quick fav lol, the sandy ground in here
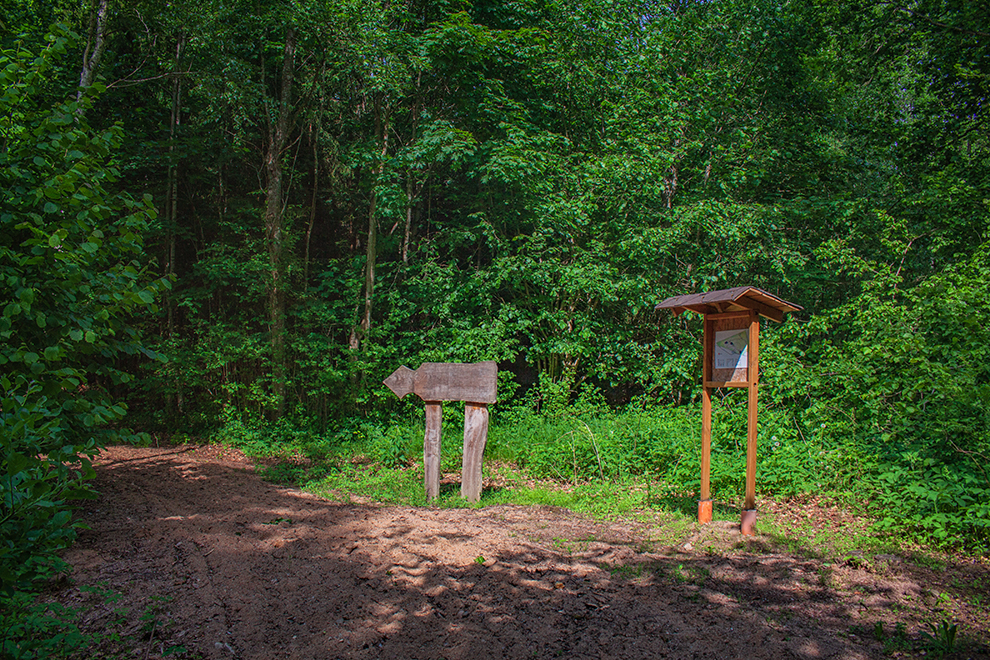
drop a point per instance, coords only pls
(201, 558)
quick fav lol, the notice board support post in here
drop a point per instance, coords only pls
(753, 369)
(705, 502)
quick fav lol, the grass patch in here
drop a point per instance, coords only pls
(853, 544)
(667, 512)
(639, 463)
(373, 483)
(634, 571)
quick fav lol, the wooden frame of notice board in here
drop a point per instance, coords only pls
(731, 358)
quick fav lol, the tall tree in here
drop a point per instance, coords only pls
(278, 128)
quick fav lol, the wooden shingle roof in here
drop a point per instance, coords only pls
(738, 299)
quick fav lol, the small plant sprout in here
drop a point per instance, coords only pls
(942, 640)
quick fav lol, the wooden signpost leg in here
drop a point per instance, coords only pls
(475, 436)
(431, 448)
(749, 507)
(751, 450)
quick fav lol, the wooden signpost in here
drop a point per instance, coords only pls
(731, 359)
(435, 382)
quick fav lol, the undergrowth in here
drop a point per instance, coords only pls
(31, 630)
(587, 457)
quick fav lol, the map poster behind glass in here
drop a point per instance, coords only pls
(730, 349)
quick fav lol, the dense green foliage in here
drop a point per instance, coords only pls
(72, 270)
(341, 188)
(523, 182)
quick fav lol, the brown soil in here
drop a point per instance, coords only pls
(202, 557)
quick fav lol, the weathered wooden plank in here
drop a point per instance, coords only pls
(475, 437)
(446, 381)
(401, 381)
(431, 449)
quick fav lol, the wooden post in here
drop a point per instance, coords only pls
(731, 359)
(435, 382)
(753, 373)
(431, 449)
(475, 437)
(705, 501)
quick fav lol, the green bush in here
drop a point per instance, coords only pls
(895, 386)
(69, 270)
(661, 443)
(31, 630)
(947, 504)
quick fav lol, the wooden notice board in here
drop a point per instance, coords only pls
(728, 347)
(731, 358)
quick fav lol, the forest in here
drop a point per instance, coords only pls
(230, 220)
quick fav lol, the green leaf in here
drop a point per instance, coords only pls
(17, 462)
(80, 494)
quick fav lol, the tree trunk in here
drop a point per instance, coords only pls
(95, 44)
(278, 137)
(409, 215)
(314, 138)
(381, 129)
(411, 192)
(171, 204)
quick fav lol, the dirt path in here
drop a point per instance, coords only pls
(208, 557)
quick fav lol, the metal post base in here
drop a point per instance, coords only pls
(748, 522)
(704, 511)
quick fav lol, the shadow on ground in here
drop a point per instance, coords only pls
(233, 567)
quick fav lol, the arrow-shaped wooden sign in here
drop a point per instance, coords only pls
(476, 384)
(447, 381)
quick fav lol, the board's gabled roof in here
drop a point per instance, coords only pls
(737, 299)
